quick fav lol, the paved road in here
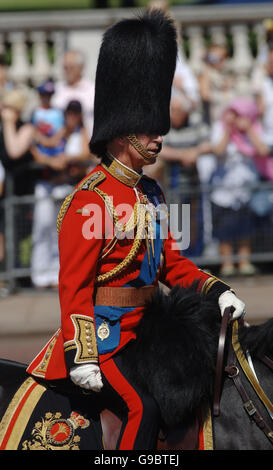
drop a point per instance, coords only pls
(28, 319)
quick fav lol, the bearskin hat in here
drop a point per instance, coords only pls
(134, 76)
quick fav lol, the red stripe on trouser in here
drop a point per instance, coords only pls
(132, 400)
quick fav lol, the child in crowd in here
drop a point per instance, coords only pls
(47, 121)
(74, 139)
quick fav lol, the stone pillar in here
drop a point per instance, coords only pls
(242, 58)
(40, 69)
(197, 47)
(19, 70)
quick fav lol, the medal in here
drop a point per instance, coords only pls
(103, 331)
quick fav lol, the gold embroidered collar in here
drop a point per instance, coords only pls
(120, 171)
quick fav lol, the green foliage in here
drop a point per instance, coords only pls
(13, 5)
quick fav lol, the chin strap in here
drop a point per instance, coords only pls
(140, 148)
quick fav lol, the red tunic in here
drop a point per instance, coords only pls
(81, 262)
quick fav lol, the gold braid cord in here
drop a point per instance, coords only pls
(132, 222)
(141, 224)
(137, 219)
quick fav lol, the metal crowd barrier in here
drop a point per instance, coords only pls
(16, 212)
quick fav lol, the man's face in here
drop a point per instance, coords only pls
(72, 69)
(178, 114)
(152, 144)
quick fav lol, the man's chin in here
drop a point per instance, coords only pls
(150, 160)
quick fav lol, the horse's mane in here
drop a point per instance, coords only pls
(258, 339)
(174, 355)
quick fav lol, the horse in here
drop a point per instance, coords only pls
(212, 380)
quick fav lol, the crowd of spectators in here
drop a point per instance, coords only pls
(219, 138)
(45, 156)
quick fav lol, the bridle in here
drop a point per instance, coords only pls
(236, 361)
(220, 358)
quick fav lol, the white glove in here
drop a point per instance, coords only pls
(229, 299)
(87, 376)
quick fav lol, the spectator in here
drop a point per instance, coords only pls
(237, 142)
(268, 44)
(186, 82)
(15, 140)
(264, 95)
(75, 140)
(47, 121)
(2, 181)
(75, 87)
(217, 83)
(77, 152)
(5, 84)
(178, 162)
(50, 189)
(17, 135)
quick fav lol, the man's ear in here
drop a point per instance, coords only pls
(118, 144)
(123, 142)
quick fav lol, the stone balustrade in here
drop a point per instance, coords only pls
(35, 42)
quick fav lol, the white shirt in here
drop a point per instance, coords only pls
(84, 92)
(188, 80)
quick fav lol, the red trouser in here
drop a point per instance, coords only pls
(138, 411)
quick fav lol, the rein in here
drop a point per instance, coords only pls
(236, 356)
(220, 358)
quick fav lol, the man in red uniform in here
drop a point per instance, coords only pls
(112, 252)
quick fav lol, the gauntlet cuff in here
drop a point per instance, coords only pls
(83, 348)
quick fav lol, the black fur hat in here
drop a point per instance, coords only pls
(134, 76)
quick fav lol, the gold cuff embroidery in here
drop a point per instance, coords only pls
(207, 285)
(210, 282)
(84, 340)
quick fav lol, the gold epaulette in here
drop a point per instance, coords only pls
(89, 183)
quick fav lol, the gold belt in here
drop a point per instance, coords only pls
(123, 296)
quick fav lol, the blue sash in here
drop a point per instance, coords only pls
(146, 276)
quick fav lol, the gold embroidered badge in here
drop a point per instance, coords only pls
(56, 433)
(103, 331)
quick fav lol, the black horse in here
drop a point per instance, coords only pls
(197, 368)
